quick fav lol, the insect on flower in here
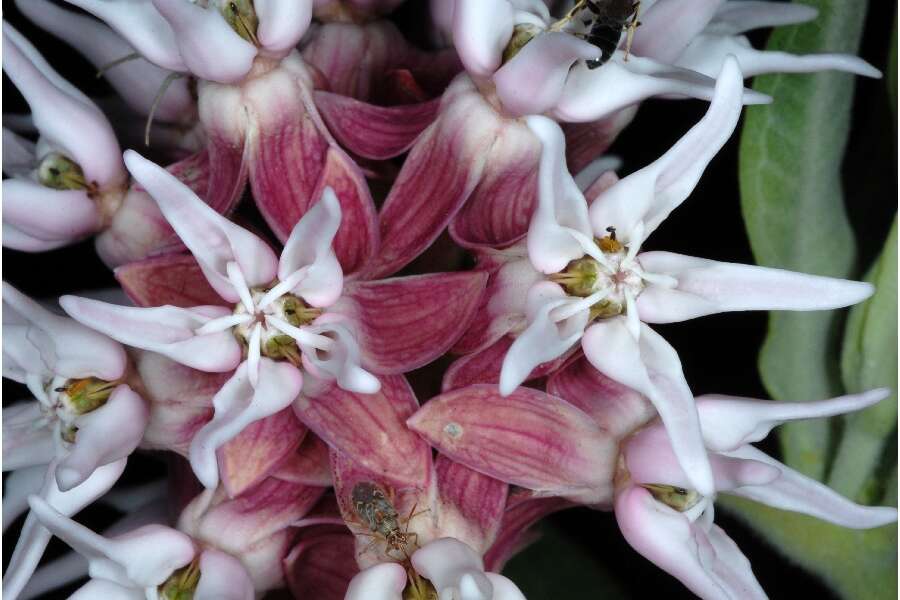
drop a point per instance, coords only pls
(378, 513)
(605, 24)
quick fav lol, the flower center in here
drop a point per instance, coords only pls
(62, 173)
(241, 17)
(675, 497)
(418, 588)
(273, 342)
(182, 583)
(63, 400)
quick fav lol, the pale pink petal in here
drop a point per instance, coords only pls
(738, 17)
(222, 577)
(47, 214)
(533, 81)
(16, 239)
(544, 339)
(670, 25)
(684, 549)
(27, 439)
(101, 588)
(20, 484)
(504, 588)
(173, 279)
(560, 208)
(372, 131)
(471, 505)
(58, 345)
(144, 28)
(648, 196)
(67, 120)
(19, 154)
(528, 438)
(651, 366)
(341, 362)
(454, 569)
(729, 422)
(237, 405)
(704, 287)
(481, 30)
(137, 82)
(105, 434)
(310, 247)
(168, 330)
(210, 48)
(371, 429)
(282, 23)
(213, 239)
(796, 492)
(384, 581)
(33, 538)
(388, 315)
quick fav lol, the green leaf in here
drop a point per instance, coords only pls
(869, 360)
(555, 567)
(793, 205)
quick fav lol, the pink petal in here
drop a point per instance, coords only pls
(222, 577)
(651, 366)
(586, 141)
(484, 366)
(707, 287)
(282, 23)
(321, 566)
(384, 581)
(371, 429)
(212, 239)
(533, 81)
(309, 465)
(173, 279)
(471, 504)
(501, 206)
(387, 313)
(796, 492)
(210, 48)
(729, 422)
(167, 330)
(46, 214)
(522, 511)
(444, 167)
(105, 435)
(53, 345)
(237, 405)
(683, 549)
(377, 132)
(259, 450)
(618, 409)
(481, 30)
(670, 25)
(528, 439)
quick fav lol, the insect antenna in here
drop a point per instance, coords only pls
(162, 90)
(128, 57)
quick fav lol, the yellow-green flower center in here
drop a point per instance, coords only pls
(675, 497)
(241, 16)
(61, 173)
(181, 584)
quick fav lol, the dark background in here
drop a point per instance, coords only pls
(718, 352)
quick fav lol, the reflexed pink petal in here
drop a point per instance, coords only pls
(729, 422)
(371, 429)
(618, 409)
(501, 206)
(259, 450)
(212, 239)
(377, 132)
(47, 214)
(168, 330)
(471, 504)
(52, 345)
(105, 435)
(707, 287)
(648, 196)
(651, 366)
(309, 465)
(670, 25)
(210, 48)
(528, 439)
(222, 577)
(533, 81)
(585, 142)
(237, 405)
(67, 120)
(282, 23)
(481, 30)
(710, 569)
(321, 566)
(387, 312)
(222, 114)
(484, 366)
(796, 492)
(441, 171)
(383, 581)
(173, 279)
(522, 511)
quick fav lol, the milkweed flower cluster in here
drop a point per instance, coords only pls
(269, 361)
